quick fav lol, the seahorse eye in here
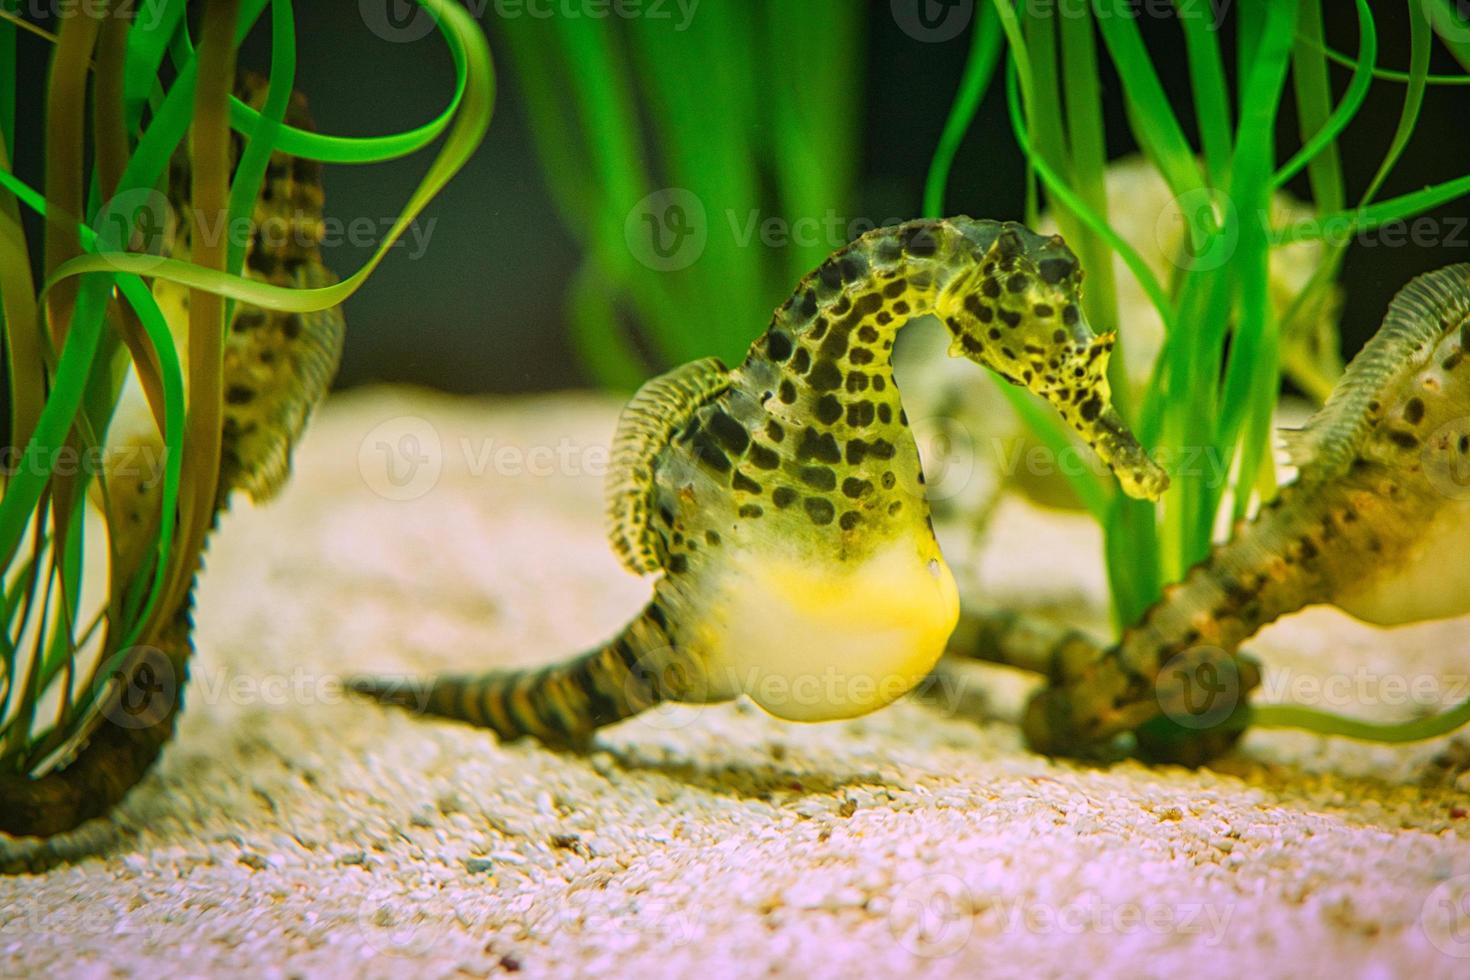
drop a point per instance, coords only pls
(1008, 244)
(1056, 268)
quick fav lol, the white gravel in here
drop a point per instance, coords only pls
(291, 833)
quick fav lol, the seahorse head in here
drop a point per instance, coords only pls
(1018, 311)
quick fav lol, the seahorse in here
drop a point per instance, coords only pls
(1376, 522)
(277, 367)
(781, 504)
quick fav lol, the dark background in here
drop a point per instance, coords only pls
(483, 309)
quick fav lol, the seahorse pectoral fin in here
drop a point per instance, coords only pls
(659, 409)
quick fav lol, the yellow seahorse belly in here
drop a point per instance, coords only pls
(815, 642)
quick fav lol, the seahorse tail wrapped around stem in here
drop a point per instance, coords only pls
(137, 720)
(1193, 710)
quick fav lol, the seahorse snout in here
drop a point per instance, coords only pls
(1084, 401)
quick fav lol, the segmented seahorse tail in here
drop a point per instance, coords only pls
(559, 704)
(1015, 639)
(1088, 680)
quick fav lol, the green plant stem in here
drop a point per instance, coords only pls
(209, 197)
(985, 48)
(66, 101)
(1325, 723)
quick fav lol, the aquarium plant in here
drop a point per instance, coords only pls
(120, 95)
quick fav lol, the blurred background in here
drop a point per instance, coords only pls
(480, 295)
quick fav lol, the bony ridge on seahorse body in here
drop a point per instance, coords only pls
(782, 502)
(1377, 522)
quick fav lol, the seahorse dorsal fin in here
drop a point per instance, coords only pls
(646, 425)
(1418, 316)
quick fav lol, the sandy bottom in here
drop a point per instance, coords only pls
(289, 832)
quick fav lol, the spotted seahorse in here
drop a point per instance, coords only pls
(1377, 523)
(781, 504)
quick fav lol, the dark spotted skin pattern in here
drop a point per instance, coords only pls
(276, 368)
(795, 484)
(1377, 522)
